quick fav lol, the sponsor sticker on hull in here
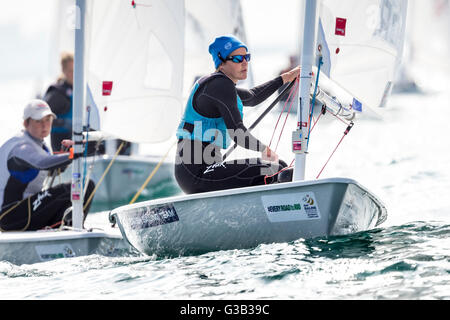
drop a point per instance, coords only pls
(54, 251)
(291, 207)
(152, 216)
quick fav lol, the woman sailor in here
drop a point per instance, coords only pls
(213, 119)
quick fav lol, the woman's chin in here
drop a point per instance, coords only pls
(243, 76)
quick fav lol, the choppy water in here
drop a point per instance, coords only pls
(409, 261)
(404, 159)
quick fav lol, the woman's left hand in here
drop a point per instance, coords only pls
(291, 75)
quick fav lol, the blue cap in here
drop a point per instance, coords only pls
(224, 46)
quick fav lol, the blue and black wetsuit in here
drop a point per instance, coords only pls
(25, 162)
(211, 122)
(59, 98)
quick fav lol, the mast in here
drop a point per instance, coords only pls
(78, 104)
(307, 57)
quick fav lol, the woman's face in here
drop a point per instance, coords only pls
(235, 71)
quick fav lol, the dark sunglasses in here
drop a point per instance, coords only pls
(237, 58)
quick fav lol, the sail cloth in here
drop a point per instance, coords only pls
(206, 20)
(362, 42)
(427, 47)
(135, 57)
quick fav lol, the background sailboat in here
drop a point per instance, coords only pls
(427, 47)
(131, 85)
(135, 67)
(130, 168)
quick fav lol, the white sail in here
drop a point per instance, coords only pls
(63, 33)
(362, 42)
(427, 46)
(206, 20)
(135, 66)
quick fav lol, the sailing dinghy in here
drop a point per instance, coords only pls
(355, 47)
(149, 85)
(111, 172)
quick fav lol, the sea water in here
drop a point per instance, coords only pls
(403, 157)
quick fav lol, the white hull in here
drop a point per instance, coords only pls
(247, 217)
(125, 177)
(30, 247)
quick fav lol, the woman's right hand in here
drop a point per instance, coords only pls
(269, 155)
(290, 75)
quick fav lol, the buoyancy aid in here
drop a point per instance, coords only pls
(63, 124)
(194, 126)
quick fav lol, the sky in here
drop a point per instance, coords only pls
(25, 33)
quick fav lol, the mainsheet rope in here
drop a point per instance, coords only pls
(290, 100)
(287, 113)
(15, 206)
(347, 130)
(152, 174)
(104, 174)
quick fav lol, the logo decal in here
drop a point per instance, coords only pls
(308, 200)
(356, 105)
(39, 198)
(152, 216)
(340, 26)
(214, 166)
(291, 207)
(107, 88)
(54, 251)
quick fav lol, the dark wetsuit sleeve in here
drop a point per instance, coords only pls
(217, 98)
(256, 95)
(25, 155)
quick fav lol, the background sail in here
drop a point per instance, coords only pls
(362, 45)
(135, 60)
(427, 48)
(206, 20)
